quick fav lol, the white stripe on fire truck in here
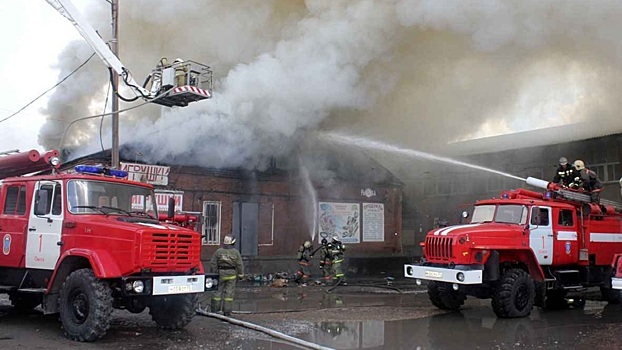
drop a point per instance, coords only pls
(606, 237)
(444, 231)
(566, 235)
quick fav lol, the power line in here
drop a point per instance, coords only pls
(48, 90)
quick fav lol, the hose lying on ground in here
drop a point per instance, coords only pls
(268, 331)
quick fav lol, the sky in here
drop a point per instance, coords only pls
(420, 74)
(33, 35)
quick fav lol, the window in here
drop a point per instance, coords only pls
(565, 218)
(211, 223)
(607, 172)
(540, 216)
(15, 203)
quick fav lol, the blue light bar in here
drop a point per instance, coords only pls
(89, 169)
(92, 169)
(117, 173)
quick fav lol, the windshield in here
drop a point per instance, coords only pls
(90, 197)
(508, 213)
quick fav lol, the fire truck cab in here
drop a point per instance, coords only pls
(84, 242)
(522, 249)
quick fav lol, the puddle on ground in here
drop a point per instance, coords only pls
(475, 327)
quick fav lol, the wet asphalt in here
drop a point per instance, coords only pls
(362, 315)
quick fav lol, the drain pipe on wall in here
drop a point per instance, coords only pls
(268, 331)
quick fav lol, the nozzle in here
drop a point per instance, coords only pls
(542, 184)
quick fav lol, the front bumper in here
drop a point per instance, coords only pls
(170, 285)
(616, 283)
(458, 275)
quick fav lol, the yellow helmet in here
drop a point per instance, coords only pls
(307, 244)
(229, 240)
(579, 165)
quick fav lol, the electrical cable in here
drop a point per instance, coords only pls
(48, 90)
(109, 113)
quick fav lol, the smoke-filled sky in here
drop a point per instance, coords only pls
(417, 74)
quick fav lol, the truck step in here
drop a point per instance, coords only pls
(573, 287)
(566, 271)
(32, 290)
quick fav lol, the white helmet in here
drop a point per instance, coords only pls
(307, 244)
(579, 165)
(563, 161)
(229, 240)
(335, 237)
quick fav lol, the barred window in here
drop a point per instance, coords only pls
(211, 223)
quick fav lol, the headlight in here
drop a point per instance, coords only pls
(138, 286)
(209, 283)
(460, 276)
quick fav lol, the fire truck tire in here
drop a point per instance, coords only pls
(173, 311)
(610, 295)
(24, 302)
(85, 306)
(514, 296)
(445, 298)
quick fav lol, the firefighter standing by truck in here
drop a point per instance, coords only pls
(304, 263)
(228, 262)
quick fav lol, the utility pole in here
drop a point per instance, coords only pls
(115, 82)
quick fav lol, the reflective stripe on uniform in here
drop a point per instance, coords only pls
(216, 298)
(228, 299)
(338, 261)
(228, 278)
(339, 275)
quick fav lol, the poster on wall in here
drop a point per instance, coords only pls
(373, 222)
(341, 219)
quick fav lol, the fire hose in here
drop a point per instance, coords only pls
(265, 330)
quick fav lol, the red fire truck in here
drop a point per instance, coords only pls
(523, 249)
(81, 243)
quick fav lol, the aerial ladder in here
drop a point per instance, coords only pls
(169, 84)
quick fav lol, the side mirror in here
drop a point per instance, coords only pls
(41, 202)
(465, 214)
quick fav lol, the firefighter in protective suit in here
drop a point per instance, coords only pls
(565, 173)
(304, 264)
(228, 262)
(336, 251)
(588, 181)
(326, 263)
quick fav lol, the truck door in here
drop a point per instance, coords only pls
(541, 234)
(44, 226)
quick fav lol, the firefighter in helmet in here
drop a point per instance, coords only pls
(336, 251)
(228, 262)
(304, 263)
(326, 262)
(565, 173)
(587, 180)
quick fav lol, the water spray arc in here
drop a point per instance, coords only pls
(304, 173)
(380, 146)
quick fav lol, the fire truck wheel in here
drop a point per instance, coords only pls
(610, 295)
(173, 311)
(24, 302)
(514, 296)
(85, 306)
(444, 297)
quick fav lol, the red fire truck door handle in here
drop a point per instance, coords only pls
(32, 229)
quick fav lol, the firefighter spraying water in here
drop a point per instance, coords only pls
(522, 249)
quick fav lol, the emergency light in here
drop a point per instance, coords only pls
(92, 169)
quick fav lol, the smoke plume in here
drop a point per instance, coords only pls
(420, 74)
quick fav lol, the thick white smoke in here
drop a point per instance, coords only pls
(416, 73)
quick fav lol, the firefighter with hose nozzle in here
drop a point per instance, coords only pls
(304, 263)
(336, 251)
(565, 173)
